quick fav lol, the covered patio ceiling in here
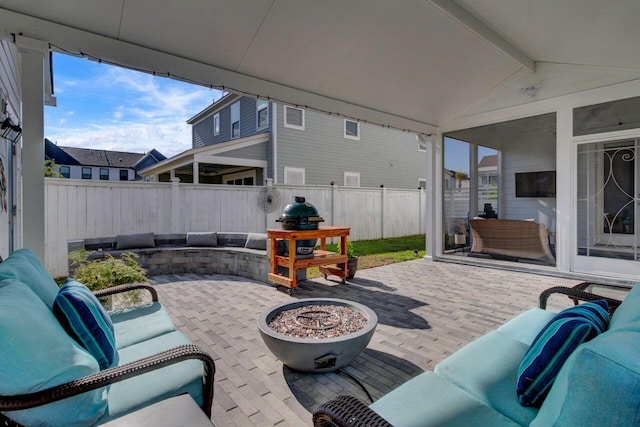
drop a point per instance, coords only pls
(410, 64)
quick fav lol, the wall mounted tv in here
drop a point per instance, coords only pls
(536, 184)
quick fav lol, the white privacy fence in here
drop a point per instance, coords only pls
(78, 209)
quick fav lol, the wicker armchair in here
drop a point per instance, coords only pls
(119, 373)
(349, 411)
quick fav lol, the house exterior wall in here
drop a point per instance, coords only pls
(532, 152)
(382, 156)
(254, 152)
(203, 132)
(10, 92)
(75, 172)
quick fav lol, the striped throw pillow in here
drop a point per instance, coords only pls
(554, 344)
(86, 321)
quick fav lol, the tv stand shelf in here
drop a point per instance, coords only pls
(320, 257)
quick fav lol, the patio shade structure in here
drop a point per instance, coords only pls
(424, 66)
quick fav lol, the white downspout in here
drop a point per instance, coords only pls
(274, 140)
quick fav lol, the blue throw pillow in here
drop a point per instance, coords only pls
(85, 320)
(554, 344)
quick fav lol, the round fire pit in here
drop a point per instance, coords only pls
(328, 333)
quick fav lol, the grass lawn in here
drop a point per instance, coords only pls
(374, 253)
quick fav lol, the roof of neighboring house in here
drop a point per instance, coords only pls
(57, 154)
(93, 157)
(490, 161)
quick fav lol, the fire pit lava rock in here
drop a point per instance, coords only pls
(311, 354)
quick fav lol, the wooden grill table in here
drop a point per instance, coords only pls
(321, 257)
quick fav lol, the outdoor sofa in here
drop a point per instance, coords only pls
(598, 385)
(60, 365)
(511, 238)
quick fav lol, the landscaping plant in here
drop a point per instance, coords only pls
(107, 272)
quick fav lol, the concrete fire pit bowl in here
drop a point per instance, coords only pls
(317, 354)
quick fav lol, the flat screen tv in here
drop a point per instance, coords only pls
(536, 184)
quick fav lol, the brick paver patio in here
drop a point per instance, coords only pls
(426, 310)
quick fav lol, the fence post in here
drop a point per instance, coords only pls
(383, 195)
(176, 206)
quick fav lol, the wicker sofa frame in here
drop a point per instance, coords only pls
(510, 238)
(349, 411)
(117, 374)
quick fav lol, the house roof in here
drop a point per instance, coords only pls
(490, 161)
(98, 158)
(413, 64)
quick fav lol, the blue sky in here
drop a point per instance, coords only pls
(112, 108)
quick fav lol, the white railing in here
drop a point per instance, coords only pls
(78, 209)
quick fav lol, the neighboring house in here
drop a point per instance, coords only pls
(88, 163)
(243, 141)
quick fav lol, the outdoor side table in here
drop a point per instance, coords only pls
(321, 257)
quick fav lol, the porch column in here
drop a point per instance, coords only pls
(196, 172)
(565, 171)
(32, 56)
(433, 193)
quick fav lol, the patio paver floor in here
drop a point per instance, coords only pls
(426, 311)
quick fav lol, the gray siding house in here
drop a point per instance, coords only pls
(244, 141)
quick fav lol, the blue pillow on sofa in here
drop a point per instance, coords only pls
(35, 354)
(86, 321)
(553, 346)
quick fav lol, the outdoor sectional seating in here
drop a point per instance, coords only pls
(598, 385)
(238, 254)
(48, 377)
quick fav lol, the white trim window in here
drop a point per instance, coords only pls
(293, 117)
(293, 176)
(352, 129)
(240, 178)
(216, 124)
(235, 120)
(352, 179)
(262, 114)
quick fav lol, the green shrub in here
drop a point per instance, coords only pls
(107, 272)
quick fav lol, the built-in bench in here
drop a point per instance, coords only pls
(238, 254)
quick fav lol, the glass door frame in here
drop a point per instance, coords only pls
(591, 264)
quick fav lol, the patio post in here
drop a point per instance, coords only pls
(32, 56)
(433, 190)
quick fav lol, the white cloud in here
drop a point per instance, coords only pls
(150, 112)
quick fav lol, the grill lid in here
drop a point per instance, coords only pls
(300, 211)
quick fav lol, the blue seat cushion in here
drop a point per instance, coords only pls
(487, 369)
(36, 354)
(86, 321)
(136, 324)
(526, 326)
(428, 400)
(24, 266)
(554, 344)
(627, 316)
(132, 394)
(599, 385)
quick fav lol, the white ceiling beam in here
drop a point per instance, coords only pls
(479, 28)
